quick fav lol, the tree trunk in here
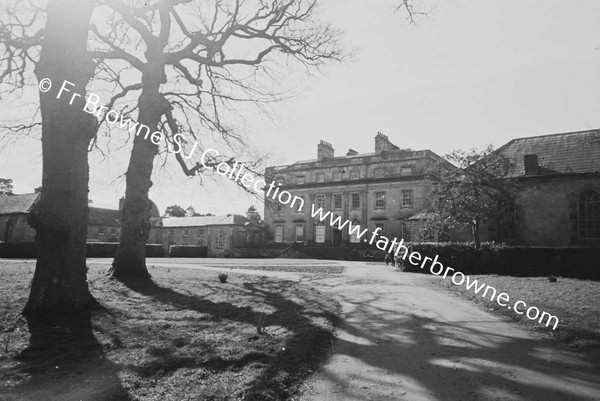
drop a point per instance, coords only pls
(477, 233)
(59, 285)
(130, 261)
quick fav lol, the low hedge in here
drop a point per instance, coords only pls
(188, 251)
(17, 250)
(526, 261)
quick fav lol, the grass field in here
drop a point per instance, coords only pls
(576, 303)
(185, 337)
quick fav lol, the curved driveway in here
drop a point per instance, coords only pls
(399, 339)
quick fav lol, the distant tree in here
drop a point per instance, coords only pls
(474, 190)
(253, 215)
(175, 211)
(190, 212)
(6, 186)
(37, 190)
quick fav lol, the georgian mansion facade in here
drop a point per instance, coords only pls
(386, 189)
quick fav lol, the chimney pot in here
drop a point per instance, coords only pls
(324, 150)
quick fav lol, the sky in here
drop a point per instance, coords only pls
(468, 74)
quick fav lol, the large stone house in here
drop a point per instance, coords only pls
(559, 199)
(227, 235)
(381, 189)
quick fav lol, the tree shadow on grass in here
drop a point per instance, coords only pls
(65, 362)
(282, 370)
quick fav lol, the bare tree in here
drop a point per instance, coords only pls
(475, 193)
(59, 284)
(196, 60)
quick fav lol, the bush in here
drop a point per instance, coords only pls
(188, 251)
(223, 277)
(491, 258)
(93, 249)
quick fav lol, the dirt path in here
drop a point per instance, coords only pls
(400, 340)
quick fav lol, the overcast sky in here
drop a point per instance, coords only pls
(468, 74)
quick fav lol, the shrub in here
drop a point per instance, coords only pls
(188, 251)
(223, 277)
(492, 258)
(93, 249)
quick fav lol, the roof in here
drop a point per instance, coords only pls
(230, 219)
(425, 214)
(567, 153)
(104, 217)
(11, 204)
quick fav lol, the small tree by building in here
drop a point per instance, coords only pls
(175, 211)
(6, 186)
(253, 215)
(472, 191)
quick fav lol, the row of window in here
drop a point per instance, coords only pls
(406, 201)
(340, 175)
(102, 232)
(320, 232)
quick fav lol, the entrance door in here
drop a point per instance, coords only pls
(337, 237)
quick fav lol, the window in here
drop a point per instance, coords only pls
(299, 233)
(337, 176)
(299, 179)
(113, 232)
(320, 232)
(381, 226)
(171, 232)
(379, 173)
(589, 216)
(337, 201)
(354, 174)
(354, 235)
(406, 233)
(298, 203)
(186, 232)
(220, 239)
(201, 232)
(320, 177)
(407, 198)
(380, 200)
(320, 201)
(355, 200)
(101, 232)
(406, 170)
(279, 234)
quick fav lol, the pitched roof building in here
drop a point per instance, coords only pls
(559, 203)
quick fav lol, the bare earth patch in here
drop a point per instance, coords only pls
(186, 336)
(574, 302)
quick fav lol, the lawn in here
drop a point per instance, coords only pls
(185, 337)
(576, 303)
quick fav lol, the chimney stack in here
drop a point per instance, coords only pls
(324, 150)
(383, 143)
(531, 164)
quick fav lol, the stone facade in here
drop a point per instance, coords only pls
(224, 236)
(381, 189)
(559, 199)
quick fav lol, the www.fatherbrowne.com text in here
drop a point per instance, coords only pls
(436, 267)
(92, 106)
